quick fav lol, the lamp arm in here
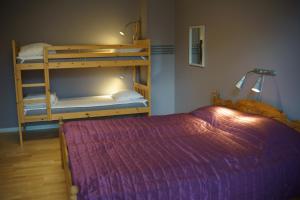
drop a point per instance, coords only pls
(262, 85)
(136, 29)
(132, 22)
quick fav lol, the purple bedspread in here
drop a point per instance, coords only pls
(211, 153)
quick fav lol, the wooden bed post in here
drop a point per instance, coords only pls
(149, 77)
(216, 100)
(72, 190)
(21, 135)
(18, 90)
(61, 123)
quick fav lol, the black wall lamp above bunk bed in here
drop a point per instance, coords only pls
(47, 107)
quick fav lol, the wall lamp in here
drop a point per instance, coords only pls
(136, 29)
(258, 86)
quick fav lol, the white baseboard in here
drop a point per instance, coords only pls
(29, 128)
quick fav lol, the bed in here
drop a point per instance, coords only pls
(44, 58)
(214, 152)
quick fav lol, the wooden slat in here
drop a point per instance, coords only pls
(29, 85)
(139, 85)
(33, 101)
(90, 114)
(94, 55)
(91, 64)
(35, 118)
(100, 113)
(30, 66)
(82, 47)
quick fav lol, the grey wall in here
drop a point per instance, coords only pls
(160, 29)
(62, 22)
(86, 22)
(240, 35)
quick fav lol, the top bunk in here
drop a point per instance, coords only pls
(42, 55)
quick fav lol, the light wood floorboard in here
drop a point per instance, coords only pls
(33, 172)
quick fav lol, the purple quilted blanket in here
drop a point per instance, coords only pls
(211, 153)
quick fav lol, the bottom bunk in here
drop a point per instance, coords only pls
(81, 104)
(121, 103)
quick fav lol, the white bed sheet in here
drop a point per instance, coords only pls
(91, 101)
(36, 57)
(24, 59)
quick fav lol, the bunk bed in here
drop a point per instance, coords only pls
(134, 55)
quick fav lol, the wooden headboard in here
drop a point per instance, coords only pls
(255, 107)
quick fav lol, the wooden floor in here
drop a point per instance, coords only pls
(33, 172)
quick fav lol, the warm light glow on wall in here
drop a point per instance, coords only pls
(115, 84)
(110, 39)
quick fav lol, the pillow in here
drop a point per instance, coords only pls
(126, 95)
(34, 49)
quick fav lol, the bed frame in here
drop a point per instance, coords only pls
(255, 107)
(248, 106)
(72, 190)
(81, 53)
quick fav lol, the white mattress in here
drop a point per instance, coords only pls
(91, 101)
(40, 58)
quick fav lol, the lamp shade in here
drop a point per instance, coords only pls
(241, 82)
(122, 33)
(258, 85)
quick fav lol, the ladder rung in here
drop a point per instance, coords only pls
(33, 101)
(34, 118)
(33, 85)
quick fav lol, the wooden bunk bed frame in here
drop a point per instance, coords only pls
(81, 52)
(247, 106)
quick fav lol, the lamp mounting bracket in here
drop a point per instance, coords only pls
(261, 71)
